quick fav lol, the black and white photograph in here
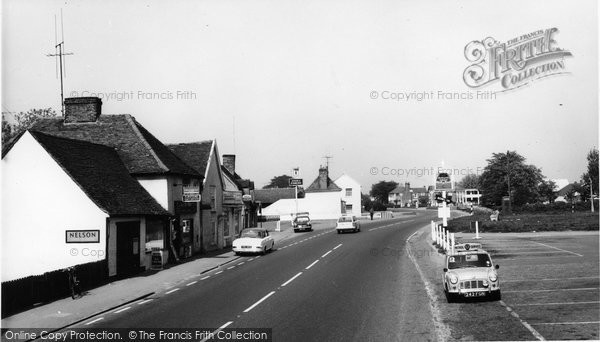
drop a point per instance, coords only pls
(227, 170)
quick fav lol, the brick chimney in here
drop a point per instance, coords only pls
(229, 163)
(323, 177)
(82, 109)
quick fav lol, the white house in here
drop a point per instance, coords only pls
(69, 202)
(322, 200)
(350, 194)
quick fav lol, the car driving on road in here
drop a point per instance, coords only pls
(347, 223)
(253, 240)
(302, 222)
(469, 272)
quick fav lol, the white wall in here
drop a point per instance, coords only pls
(157, 188)
(320, 205)
(40, 202)
(345, 181)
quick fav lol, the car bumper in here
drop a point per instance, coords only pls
(251, 249)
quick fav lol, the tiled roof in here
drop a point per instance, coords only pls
(269, 196)
(316, 187)
(139, 150)
(100, 173)
(195, 154)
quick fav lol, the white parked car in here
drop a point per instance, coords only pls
(347, 223)
(253, 240)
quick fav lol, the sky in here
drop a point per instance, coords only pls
(282, 84)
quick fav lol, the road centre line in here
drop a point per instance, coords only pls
(567, 303)
(558, 323)
(259, 301)
(560, 249)
(214, 333)
(324, 255)
(534, 332)
(525, 253)
(192, 283)
(338, 246)
(173, 290)
(144, 301)
(291, 279)
(205, 278)
(548, 279)
(311, 265)
(94, 321)
(555, 290)
(230, 267)
(219, 272)
(123, 309)
(538, 258)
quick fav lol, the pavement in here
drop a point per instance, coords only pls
(65, 312)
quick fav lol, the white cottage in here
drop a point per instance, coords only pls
(350, 194)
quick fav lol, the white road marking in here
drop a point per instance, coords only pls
(548, 279)
(144, 301)
(249, 259)
(560, 249)
(230, 267)
(567, 303)
(123, 309)
(555, 290)
(192, 283)
(311, 265)
(205, 278)
(534, 332)
(525, 253)
(259, 301)
(442, 330)
(241, 263)
(413, 234)
(291, 279)
(219, 272)
(338, 246)
(214, 333)
(284, 247)
(556, 323)
(173, 290)
(94, 321)
(324, 255)
(545, 258)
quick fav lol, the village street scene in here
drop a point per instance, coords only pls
(323, 171)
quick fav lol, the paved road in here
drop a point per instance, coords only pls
(318, 286)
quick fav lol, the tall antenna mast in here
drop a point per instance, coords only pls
(327, 160)
(58, 54)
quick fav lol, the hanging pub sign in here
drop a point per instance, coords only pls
(191, 191)
(443, 182)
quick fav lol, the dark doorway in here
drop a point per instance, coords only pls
(128, 248)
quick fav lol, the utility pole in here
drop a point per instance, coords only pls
(58, 52)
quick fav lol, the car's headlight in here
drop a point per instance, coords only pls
(493, 276)
(453, 278)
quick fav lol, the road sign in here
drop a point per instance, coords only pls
(295, 181)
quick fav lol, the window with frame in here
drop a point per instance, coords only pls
(213, 196)
(348, 192)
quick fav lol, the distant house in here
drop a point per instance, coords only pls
(70, 202)
(462, 195)
(160, 172)
(562, 195)
(350, 194)
(404, 195)
(322, 199)
(203, 157)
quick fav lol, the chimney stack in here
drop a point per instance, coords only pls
(229, 163)
(82, 109)
(323, 177)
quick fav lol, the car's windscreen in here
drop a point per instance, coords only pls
(469, 260)
(302, 219)
(345, 219)
(250, 234)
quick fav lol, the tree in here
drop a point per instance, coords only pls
(23, 121)
(470, 181)
(366, 202)
(381, 191)
(547, 191)
(282, 181)
(590, 178)
(507, 173)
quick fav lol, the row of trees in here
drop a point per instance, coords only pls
(508, 173)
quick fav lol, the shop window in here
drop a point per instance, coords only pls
(154, 235)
